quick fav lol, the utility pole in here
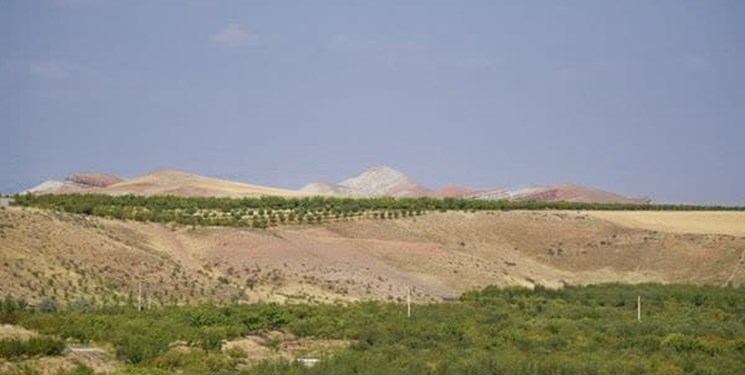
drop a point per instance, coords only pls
(408, 304)
(639, 308)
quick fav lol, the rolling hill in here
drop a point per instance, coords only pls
(163, 182)
(374, 182)
(565, 192)
(386, 181)
(441, 255)
(78, 182)
(169, 182)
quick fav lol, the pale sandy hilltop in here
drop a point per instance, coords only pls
(161, 182)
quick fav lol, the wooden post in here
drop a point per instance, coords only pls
(639, 308)
(408, 304)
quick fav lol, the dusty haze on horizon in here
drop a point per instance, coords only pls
(643, 98)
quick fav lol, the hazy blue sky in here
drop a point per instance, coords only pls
(639, 97)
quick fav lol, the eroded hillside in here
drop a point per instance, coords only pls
(66, 256)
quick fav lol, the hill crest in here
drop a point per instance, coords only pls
(375, 182)
(78, 182)
(561, 192)
(174, 182)
(383, 181)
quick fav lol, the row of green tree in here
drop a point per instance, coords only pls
(268, 211)
(576, 330)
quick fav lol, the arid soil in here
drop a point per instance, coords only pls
(440, 255)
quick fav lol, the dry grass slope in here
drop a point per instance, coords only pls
(710, 222)
(440, 254)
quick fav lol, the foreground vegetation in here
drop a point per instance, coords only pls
(578, 330)
(269, 211)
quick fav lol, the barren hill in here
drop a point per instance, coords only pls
(375, 182)
(386, 181)
(168, 182)
(78, 182)
(566, 192)
(454, 191)
(94, 179)
(383, 181)
(322, 188)
(49, 186)
(439, 254)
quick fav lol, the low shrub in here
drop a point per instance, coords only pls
(13, 348)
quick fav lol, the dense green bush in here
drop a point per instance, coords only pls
(10, 308)
(82, 305)
(575, 330)
(44, 345)
(13, 348)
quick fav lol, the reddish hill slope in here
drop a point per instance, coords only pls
(94, 179)
(386, 181)
(566, 192)
(78, 182)
(453, 191)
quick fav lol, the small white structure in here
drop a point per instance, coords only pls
(308, 361)
(5, 201)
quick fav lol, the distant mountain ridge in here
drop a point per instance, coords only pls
(563, 192)
(161, 182)
(375, 182)
(385, 181)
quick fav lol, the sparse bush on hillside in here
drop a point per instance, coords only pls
(82, 305)
(47, 305)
